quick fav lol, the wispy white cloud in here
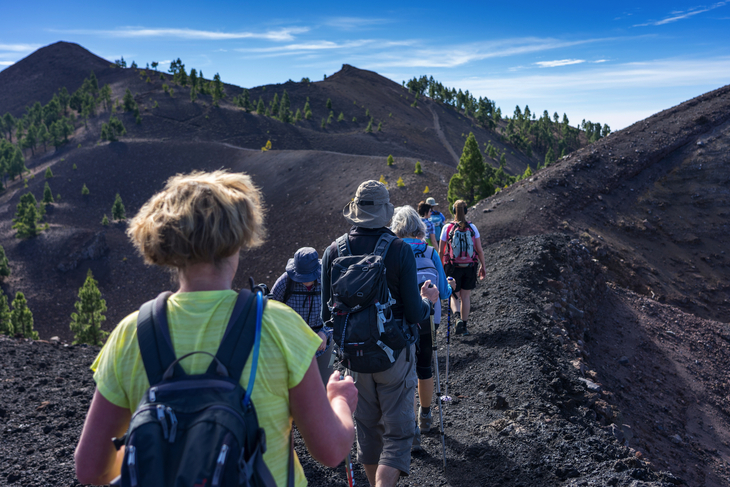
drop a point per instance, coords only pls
(453, 56)
(559, 62)
(598, 61)
(308, 46)
(354, 23)
(284, 34)
(681, 15)
(19, 47)
(7, 63)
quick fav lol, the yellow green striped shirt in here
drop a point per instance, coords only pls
(197, 321)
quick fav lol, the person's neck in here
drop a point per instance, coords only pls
(207, 277)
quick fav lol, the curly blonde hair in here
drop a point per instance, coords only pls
(199, 217)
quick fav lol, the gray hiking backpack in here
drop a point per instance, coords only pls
(198, 430)
(426, 271)
(369, 336)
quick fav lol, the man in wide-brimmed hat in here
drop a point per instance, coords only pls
(384, 416)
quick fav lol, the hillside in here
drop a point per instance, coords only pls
(602, 324)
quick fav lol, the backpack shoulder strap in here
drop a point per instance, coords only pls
(343, 246)
(287, 289)
(383, 244)
(239, 337)
(153, 337)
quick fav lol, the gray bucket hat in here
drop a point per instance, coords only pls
(371, 207)
(305, 266)
(431, 201)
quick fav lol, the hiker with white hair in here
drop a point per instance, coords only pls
(370, 285)
(408, 226)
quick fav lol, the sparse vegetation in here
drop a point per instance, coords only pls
(47, 194)
(426, 190)
(6, 326)
(400, 183)
(382, 180)
(27, 215)
(267, 146)
(21, 318)
(418, 168)
(90, 308)
(84, 190)
(105, 221)
(390, 160)
(4, 264)
(112, 130)
(118, 212)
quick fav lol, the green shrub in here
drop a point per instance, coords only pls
(86, 321)
(418, 168)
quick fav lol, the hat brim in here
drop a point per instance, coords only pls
(374, 216)
(298, 277)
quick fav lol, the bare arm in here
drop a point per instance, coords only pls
(434, 244)
(480, 255)
(324, 420)
(97, 461)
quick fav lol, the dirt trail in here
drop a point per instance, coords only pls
(440, 133)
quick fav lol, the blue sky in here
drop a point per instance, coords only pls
(609, 62)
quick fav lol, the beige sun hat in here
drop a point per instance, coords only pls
(371, 207)
(431, 201)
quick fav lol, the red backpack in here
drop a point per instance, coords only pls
(461, 245)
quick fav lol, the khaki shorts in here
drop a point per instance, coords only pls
(384, 416)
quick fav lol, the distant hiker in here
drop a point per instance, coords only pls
(197, 226)
(376, 329)
(300, 288)
(424, 210)
(461, 252)
(437, 218)
(408, 226)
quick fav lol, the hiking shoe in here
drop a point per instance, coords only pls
(416, 447)
(461, 328)
(424, 420)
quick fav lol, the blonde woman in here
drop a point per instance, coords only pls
(197, 226)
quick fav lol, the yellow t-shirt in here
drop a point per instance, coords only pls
(197, 321)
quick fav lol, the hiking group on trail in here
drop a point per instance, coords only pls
(200, 387)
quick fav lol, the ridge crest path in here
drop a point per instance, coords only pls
(440, 133)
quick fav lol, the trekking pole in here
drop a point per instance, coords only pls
(438, 388)
(448, 340)
(348, 462)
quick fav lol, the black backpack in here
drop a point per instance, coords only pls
(369, 337)
(198, 430)
(288, 292)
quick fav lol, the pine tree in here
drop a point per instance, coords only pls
(380, 126)
(193, 94)
(390, 160)
(329, 104)
(324, 123)
(49, 173)
(274, 105)
(90, 309)
(341, 117)
(118, 212)
(369, 128)
(260, 106)
(284, 108)
(105, 221)
(426, 190)
(128, 102)
(84, 190)
(418, 168)
(22, 318)
(400, 183)
(217, 89)
(6, 325)
(4, 265)
(382, 180)
(47, 194)
(549, 157)
(298, 115)
(26, 217)
(469, 183)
